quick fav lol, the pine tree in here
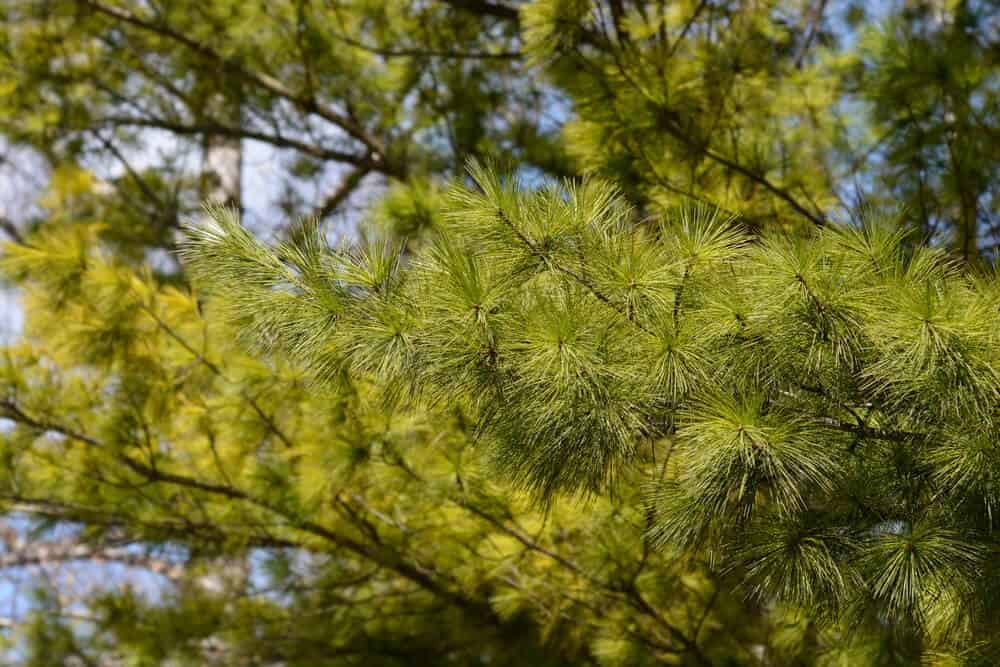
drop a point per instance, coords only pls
(821, 407)
(379, 535)
(702, 374)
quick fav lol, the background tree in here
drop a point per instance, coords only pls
(136, 428)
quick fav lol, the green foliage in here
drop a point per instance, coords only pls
(387, 540)
(811, 424)
(637, 400)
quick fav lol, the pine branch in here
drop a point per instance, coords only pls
(347, 187)
(581, 280)
(671, 125)
(219, 130)
(415, 574)
(114, 519)
(486, 8)
(214, 368)
(260, 79)
(420, 52)
(139, 181)
(46, 554)
(11, 230)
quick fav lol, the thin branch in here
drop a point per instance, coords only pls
(343, 191)
(42, 554)
(485, 8)
(306, 103)
(815, 23)
(687, 27)
(582, 280)
(133, 174)
(218, 129)
(11, 230)
(426, 52)
(214, 368)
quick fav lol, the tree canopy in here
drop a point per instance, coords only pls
(556, 332)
